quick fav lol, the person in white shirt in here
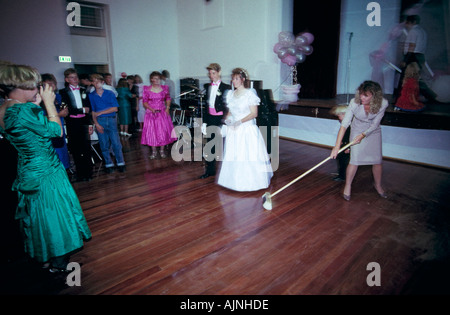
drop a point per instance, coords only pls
(108, 85)
(414, 51)
(215, 113)
(79, 124)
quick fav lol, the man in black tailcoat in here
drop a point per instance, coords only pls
(79, 124)
(215, 113)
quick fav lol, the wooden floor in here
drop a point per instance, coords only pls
(160, 230)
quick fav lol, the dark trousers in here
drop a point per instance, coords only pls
(342, 161)
(211, 120)
(80, 147)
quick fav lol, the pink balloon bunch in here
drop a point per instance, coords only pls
(292, 50)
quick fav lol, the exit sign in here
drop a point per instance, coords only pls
(65, 59)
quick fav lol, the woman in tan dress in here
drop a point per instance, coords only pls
(364, 114)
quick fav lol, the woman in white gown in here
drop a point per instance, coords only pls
(246, 164)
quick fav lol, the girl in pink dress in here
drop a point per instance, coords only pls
(158, 127)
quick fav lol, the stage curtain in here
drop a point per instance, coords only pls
(318, 73)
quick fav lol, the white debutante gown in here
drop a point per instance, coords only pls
(246, 164)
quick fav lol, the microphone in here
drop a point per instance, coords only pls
(351, 35)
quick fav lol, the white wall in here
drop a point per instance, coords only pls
(34, 33)
(143, 37)
(182, 36)
(242, 35)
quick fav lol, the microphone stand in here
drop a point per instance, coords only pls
(347, 79)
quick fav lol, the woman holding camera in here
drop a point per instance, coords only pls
(50, 215)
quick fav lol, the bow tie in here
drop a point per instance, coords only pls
(215, 84)
(74, 88)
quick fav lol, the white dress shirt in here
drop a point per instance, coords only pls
(418, 36)
(77, 96)
(212, 93)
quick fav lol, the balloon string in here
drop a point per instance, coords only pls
(294, 75)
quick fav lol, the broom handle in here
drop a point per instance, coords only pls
(310, 170)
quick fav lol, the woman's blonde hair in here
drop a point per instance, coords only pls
(377, 95)
(412, 71)
(18, 77)
(96, 76)
(338, 110)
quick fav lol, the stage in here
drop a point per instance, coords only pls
(435, 116)
(419, 138)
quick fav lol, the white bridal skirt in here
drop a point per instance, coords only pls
(246, 164)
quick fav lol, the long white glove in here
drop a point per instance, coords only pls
(237, 123)
(203, 128)
(233, 123)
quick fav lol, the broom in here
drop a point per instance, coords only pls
(267, 197)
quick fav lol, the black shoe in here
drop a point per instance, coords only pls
(339, 179)
(206, 175)
(122, 168)
(109, 170)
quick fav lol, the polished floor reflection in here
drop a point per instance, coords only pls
(159, 229)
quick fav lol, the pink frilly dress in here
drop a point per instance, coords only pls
(158, 127)
(409, 90)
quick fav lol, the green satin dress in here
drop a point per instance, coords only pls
(50, 214)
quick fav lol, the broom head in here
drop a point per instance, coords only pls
(267, 201)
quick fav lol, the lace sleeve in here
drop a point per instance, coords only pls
(253, 98)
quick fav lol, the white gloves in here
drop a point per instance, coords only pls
(232, 123)
(203, 128)
(237, 123)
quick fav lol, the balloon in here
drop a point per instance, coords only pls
(440, 87)
(289, 60)
(300, 57)
(291, 51)
(309, 37)
(277, 48)
(286, 39)
(282, 53)
(300, 41)
(307, 50)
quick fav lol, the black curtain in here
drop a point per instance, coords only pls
(318, 73)
(406, 4)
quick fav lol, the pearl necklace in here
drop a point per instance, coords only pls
(12, 99)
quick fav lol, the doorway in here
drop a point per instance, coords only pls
(317, 75)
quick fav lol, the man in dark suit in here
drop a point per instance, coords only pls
(215, 113)
(79, 124)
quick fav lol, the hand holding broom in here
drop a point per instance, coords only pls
(267, 197)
